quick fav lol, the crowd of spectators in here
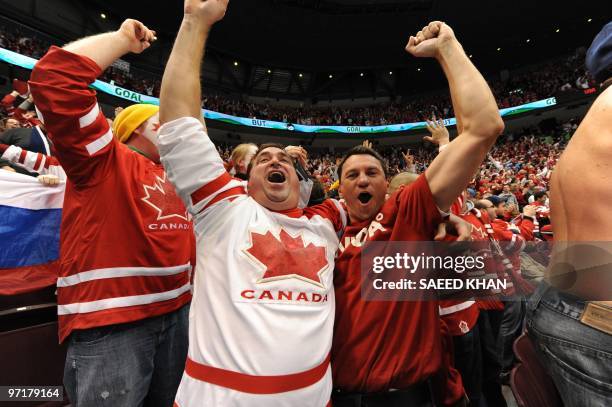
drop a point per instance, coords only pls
(519, 164)
(540, 83)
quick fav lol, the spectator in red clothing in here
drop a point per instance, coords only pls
(365, 366)
(126, 242)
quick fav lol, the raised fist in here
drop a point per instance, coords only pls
(209, 11)
(138, 35)
(429, 41)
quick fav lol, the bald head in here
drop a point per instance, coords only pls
(403, 178)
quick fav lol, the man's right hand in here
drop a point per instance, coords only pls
(207, 11)
(137, 34)
(430, 41)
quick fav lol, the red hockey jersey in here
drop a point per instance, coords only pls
(126, 240)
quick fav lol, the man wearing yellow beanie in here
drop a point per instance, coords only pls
(136, 126)
(123, 288)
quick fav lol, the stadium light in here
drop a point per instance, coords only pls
(300, 75)
(470, 55)
(528, 40)
(419, 69)
(103, 16)
(589, 20)
(361, 74)
(331, 76)
(390, 72)
(499, 49)
(269, 71)
(235, 63)
(557, 30)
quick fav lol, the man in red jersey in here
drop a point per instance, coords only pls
(390, 352)
(126, 240)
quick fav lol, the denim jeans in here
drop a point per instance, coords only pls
(128, 365)
(578, 357)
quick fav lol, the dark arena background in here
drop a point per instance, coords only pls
(132, 239)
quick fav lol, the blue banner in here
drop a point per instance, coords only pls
(28, 63)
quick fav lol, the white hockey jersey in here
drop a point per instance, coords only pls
(262, 314)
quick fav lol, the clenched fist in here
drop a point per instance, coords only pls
(138, 35)
(430, 40)
(208, 11)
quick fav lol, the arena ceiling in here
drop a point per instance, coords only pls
(348, 34)
(354, 48)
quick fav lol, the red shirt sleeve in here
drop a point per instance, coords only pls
(331, 210)
(75, 123)
(526, 227)
(417, 208)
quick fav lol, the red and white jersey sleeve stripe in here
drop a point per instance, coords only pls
(75, 123)
(194, 166)
(331, 210)
(34, 162)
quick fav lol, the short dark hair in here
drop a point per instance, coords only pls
(359, 150)
(539, 194)
(261, 148)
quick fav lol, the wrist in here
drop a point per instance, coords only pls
(121, 41)
(193, 22)
(449, 50)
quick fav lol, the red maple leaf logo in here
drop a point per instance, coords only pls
(287, 258)
(163, 199)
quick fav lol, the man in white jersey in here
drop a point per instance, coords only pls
(262, 316)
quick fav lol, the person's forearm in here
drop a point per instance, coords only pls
(475, 107)
(103, 49)
(180, 94)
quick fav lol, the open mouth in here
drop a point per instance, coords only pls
(364, 197)
(276, 177)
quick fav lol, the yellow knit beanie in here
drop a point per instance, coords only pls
(130, 118)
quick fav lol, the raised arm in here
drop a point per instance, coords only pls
(478, 119)
(33, 162)
(60, 87)
(180, 90)
(104, 49)
(191, 160)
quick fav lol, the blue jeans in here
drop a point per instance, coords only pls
(578, 357)
(128, 365)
